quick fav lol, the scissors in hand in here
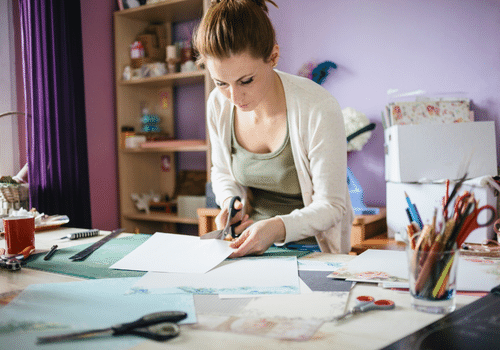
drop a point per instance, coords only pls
(222, 234)
(155, 326)
(366, 303)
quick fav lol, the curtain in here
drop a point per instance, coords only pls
(55, 109)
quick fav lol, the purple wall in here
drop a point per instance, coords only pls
(443, 46)
(98, 60)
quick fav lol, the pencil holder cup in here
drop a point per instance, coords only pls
(432, 278)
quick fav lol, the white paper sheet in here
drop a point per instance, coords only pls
(250, 276)
(166, 252)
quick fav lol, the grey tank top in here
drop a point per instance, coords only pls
(271, 178)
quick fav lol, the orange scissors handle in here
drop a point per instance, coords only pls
(490, 220)
(471, 222)
(496, 226)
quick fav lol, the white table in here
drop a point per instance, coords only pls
(372, 330)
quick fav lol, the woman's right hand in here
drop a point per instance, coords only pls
(221, 218)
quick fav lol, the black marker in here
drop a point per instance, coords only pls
(50, 253)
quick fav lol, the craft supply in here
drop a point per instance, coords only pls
(166, 252)
(224, 233)
(471, 222)
(433, 285)
(366, 303)
(155, 326)
(84, 234)
(413, 212)
(50, 253)
(13, 263)
(89, 250)
(433, 259)
(19, 233)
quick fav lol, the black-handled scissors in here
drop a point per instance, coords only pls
(155, 326)
(222, 234)
(231, 214)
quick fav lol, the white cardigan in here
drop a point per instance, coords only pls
(319, 147)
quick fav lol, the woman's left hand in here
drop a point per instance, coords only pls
(259, 237)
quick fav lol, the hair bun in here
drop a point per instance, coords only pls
(261, 3)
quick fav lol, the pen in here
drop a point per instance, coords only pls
(50, 253)
(413, 212)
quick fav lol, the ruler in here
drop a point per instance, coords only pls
(84, 254)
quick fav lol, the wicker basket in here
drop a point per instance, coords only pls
(13, 196)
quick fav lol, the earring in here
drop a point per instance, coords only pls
(275, 61)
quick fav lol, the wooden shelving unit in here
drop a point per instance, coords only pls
(139, 169)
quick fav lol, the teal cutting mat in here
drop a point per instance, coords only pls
(277, 251)
(98, 263)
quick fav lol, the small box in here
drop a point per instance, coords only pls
(427, 197)
(149, 42)
(187, 206)
(439, 151)
(368, 226)
(430, 111)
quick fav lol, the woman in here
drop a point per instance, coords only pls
(277, 140)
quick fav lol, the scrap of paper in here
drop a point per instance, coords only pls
(167, 252)
(297, 330)
(244, 276)
(375, 266)
(287, 317)
(319, 306)
(315, 265)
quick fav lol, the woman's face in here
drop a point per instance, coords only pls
(243, 79)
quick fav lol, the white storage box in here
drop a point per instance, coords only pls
(426, 197)
(439, 151)
(187, 206)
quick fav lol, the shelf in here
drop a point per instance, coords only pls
(170, 146)
(174, 79)
(165, 11)
(160, 217)
(144, 168)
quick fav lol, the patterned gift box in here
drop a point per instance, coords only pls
(430, 111)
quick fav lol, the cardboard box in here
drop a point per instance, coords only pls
(439, 151)
(151, 48)
(187, 206)
(426, 197)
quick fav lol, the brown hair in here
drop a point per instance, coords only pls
(234, 26)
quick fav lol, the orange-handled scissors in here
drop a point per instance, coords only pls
(367, 303)
(471, 222)
(496, 227)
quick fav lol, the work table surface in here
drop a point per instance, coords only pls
(372, 330)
